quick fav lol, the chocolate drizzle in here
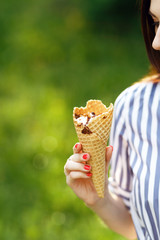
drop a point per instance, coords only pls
(86, 130)
(77, 115)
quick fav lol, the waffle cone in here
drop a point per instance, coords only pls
(94, 137)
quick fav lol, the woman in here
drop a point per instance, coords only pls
(131, 206)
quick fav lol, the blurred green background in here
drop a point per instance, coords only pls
(57, 54)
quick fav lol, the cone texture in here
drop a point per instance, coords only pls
(94, 136)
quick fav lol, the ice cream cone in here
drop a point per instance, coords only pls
(93, 136)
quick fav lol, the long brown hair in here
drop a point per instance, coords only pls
(148, 31)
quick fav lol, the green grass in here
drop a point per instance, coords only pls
(52, 61)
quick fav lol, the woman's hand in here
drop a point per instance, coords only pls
(78, 175)
(111, 208)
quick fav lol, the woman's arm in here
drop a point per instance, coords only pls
(111, 208)
(115, 215)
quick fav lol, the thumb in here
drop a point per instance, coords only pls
(109, 150)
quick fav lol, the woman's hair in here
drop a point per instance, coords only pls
(148, 31)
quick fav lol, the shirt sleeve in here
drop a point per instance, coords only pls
(120, 180)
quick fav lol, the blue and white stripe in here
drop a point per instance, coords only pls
(135, 162)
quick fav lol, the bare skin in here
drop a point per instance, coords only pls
(111, 208)
(154, 11)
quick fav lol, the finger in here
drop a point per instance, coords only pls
(75, 158)
(75, 166)
(109, 150)
(77, 175)
(77, 148)
(79, 157)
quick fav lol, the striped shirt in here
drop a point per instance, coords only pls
(135, 162)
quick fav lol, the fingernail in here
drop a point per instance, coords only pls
(87, 167)
(76, 145)
(85, 156)
(111, 147)
(89, 174)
